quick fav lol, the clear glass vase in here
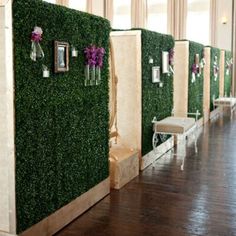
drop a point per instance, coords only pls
(98, 75)
(36, 51)
(90, 75)
(86, 74)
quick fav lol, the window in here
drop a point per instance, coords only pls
(50, 1)
(80, 5)
(157, 15)
(198, 21)
(122, 14)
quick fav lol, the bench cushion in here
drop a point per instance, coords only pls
(225, 101)
(175, 125)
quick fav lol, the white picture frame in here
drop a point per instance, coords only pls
(156, 75)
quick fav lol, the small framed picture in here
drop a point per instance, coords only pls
(61, 56)
(156, 74)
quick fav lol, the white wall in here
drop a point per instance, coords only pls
(224, 31)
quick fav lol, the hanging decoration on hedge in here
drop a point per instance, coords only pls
(215, 68)
(94, 62)
(203, 60)
(36, 50)
(46, 72)
(229, 66)
(171, 60)
(168, 62)
(74, 52)
(196, 69)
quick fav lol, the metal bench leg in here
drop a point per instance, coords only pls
(182, 165)
(181, 149)
(155, 141)
(195, 141)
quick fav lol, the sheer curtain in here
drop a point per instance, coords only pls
(80, 5)
(198, 21)
(139, 13)
(157, 15)
(121, 14)
(177, 14)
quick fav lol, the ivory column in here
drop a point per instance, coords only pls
(181, 78)
(206, 85)
(222, 72)
(7, 150)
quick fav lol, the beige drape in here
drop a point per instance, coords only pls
(66, 4)
(89, 8)
(177, 15)
(108, 10)
(138, 13)
(234, 49)
(213, 23)
(63, 2)
(3, 2)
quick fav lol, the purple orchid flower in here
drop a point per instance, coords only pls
(90, 55)
(171, 57)
(36, 35)
(100, 55)
(195, 69)
(94, 56)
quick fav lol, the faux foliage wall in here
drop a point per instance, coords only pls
(228, 76)
(195, 89)
(156, 101)
(61, 125)
(214, 87)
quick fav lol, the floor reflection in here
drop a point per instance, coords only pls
(165, 201)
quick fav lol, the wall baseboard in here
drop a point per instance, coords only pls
(149, 158)
(215, 113)
(6, 234)
(68, 213)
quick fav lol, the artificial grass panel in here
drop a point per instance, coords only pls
(195, 90)
(228, 77)
(156, 101)
(214, 85)
(61, 125)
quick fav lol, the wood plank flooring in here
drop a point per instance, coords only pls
(200, 200)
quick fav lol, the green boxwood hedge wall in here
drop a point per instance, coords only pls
(214, 89)
(156, 101)
(61, 125)
(228, 78)
(195, 90)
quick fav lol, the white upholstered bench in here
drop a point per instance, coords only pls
(229, 102)
(179, 126)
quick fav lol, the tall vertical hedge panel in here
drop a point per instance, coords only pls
(156, 101)
(214, 89)
(61, 125)
(195, 90)
(228, 76)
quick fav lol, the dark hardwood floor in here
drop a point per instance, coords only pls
(200, 200)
